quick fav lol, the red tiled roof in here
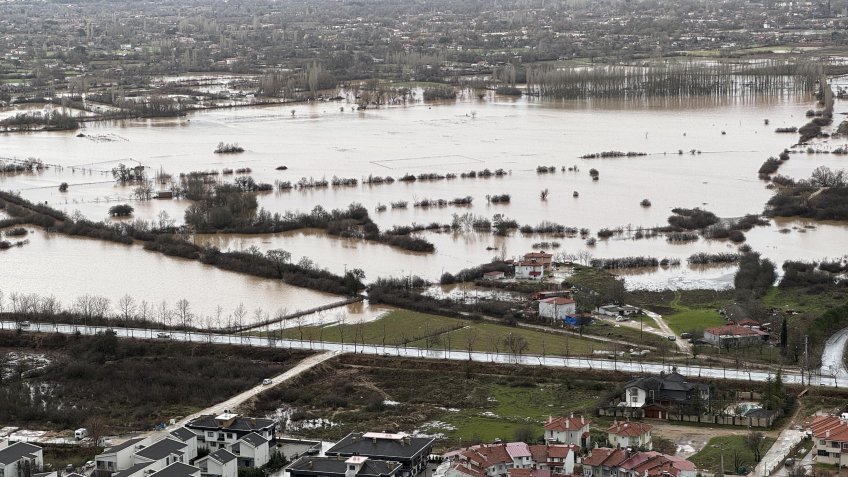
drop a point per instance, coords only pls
(567, 423)
(629, 429)
(520, 472)
(537, 255)
(605, 457)
(546, 452)
(733, 330)
(530, 264)
(830, 427)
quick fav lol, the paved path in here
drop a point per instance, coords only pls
(786, 441)
(620, 365)
(239, 399)
(682, 345)
(833, 356)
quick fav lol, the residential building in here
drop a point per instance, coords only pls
(618, 311)
(177, 469)
(528, 270)
(607, 462)
(494, 275)
(120, 456)
(162, 453)
(655, 394)
(252, 450)
(222, 431)
(410, 452)
(557, 308)
(20, 458)
(546, 259)
(356, 466)
(735, 336)
(830, 435)
(513, 459)
(221, 463)
(573, 430)
(630, 435)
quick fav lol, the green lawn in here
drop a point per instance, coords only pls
(805, 299)
(517, 407)
(736, 454)
(409, 328)
(695, 320)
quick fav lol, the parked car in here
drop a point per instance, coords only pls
(24, 324)
(685, 336)
(267, 382)
(789, 462)
(163, 335)
(672, 338)
(81, 433)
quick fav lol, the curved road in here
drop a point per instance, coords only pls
(626, 366)
(833, 356)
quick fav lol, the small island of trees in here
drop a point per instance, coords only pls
(228, 148)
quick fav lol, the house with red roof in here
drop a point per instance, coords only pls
(529, 270)
(734, 336)
(830, 435)
(572, 430)
(607, 462)
(630, 435)
(546, 259)
(513, 459)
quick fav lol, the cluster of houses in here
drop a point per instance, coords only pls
(228, 441)
(563, 454)
(369, 454)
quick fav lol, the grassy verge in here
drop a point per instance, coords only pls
(420, 330)
(57, 457)
(736, 454)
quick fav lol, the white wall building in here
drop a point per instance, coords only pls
(557, 308)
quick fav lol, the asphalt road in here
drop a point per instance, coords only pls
(833, 356)
(620, 365)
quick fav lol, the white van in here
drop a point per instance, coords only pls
(81, 433)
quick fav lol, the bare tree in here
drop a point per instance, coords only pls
(516, 344)
(126, 306)
(97, 429)
(471, 337)
(755, 441)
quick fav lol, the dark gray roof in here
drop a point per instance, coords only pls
(161, 449)
(385, 449)
(132, 470)
(331, 467)
(17, 451)
(672, 385)
(177, 469)
(44, 474)
(243, 424)
(122, 446)
(254, 439)
(223, 456)
(183, 434)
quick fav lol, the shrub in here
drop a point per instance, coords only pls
(123, 210)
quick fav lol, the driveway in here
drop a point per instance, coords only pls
(682, 345)
(786, 441)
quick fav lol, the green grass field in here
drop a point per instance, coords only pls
(517, 407)
(736, 454)
(408, 328)
(693, 320)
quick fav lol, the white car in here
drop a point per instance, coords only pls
(267, 382)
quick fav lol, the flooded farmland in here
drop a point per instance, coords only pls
(700, 152)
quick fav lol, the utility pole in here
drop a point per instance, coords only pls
(806, 356)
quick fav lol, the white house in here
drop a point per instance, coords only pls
(252, 450)
(177, 469)
(630, 435)
(120, 456)
(224, 430)
(495, 275)
(221, 463)
(161, 454)
(557, 308)
(189, 438)
(19, 458)
(529, 270)
(572, 430)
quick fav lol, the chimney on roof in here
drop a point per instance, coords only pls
(582, 420)
(572, 415)
(827, 433)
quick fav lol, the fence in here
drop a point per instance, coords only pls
(638, 413)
